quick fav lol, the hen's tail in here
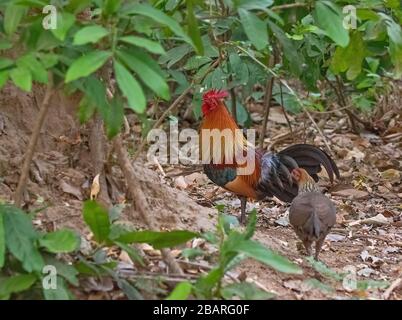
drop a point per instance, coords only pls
(276, 179)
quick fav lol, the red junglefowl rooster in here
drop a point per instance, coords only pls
(312, 215)
(270, 175)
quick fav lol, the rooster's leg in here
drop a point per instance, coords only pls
(243, 203)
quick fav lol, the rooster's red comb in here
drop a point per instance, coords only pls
(214, 95)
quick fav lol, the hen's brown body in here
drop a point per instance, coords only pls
(311, 214)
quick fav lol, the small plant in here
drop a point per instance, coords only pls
(28, 258)
(233, 246)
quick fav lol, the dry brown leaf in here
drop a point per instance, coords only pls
(180, 183)
(391, 175)
(95, 188)
(351, 193)
(67, 188)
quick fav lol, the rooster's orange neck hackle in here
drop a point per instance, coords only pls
(217, 117)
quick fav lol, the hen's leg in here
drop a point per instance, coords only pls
(318, 246)
(243, 203)
(307, 244)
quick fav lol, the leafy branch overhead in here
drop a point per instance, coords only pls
(156, 49)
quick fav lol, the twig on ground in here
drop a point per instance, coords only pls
(394, 285)
(155, 159)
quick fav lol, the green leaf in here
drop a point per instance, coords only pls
(48, 60)
(132, 253)
(12, 17)
(329, 17)
(2, 242)
(181, 291)
(158, 240)
(3, 78)
(60, 293)
(86, 109)
(16, 284)
(60, 241)
(85, 65)
(21, 238)
(95, 92)
(130, 88)
(65, 21)
(253, 4)
(255, 28)
(115, 117)
(394, 31)
(147, 44)
(251, 224)
(258, 252)
(76, 6)
(321, 268)
(204, 285)
(160, 17)
(97, 219)
(5, 63)
(22, 78)
(289, 49)
(129, 290)
(32, 3)
(111, 6)
(245, 291)
(68, 272)
(150, 77)
(350, 59)
(90, 34)
(5, 44)
(193, 28)
(30, 62)
(175, 54)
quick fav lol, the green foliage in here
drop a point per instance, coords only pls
(97, 219)
(24, 252)
(181, 292)
(126, 38)
(233, 248)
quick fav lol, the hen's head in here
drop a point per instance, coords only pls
(211, 100)
(304, 180)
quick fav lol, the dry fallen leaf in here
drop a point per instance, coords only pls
(67, 188)
(379, 219)
(95, 188)
(352, 194)
(391, 175)
(180, 183)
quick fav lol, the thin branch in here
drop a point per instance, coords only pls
(139, 198)
(267, 108)
(234, 106)
(18, 194)
(284, 111)
(319, 131)
(394, 285)
(173, 106)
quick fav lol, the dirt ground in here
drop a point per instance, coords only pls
(367, 237)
